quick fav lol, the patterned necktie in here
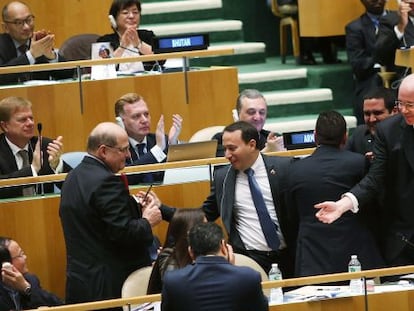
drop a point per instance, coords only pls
(140, 148)
(25, 76)
(268, 227)
(22, 48)
(147, 177)
(27, 190)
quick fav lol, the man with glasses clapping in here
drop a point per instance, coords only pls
(20, 44)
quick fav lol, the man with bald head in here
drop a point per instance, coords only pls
(107, 233)
(391, 172)
(20, 44)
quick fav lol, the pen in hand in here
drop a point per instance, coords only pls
(142, 201)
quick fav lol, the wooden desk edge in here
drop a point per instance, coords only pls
(145, 168)
(96, 305)
(140, 58)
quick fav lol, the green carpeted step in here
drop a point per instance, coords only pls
(271, 80)
(301, 123)
(298, 101)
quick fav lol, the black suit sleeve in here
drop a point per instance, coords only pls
(39, 297)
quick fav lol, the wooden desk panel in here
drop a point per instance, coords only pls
(211, 97)
(324, 18)
(35, 225)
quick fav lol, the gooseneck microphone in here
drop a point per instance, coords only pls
(39, 130)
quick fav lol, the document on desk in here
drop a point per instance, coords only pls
(149, 306)
(315, 293)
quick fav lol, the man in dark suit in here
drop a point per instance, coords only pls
(391, 172)
(19, 289)
(21, 45)
(324, 175)
(251, 107)
(146, 148)
(231, 198)
(107, 233)
(379, 104)
(212, 282)
(18, 141)
(360, 35)
(396, 31)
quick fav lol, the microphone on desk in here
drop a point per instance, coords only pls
(39, 130)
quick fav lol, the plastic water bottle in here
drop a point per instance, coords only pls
(355, 285)
(276, 293)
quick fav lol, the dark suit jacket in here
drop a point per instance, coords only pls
(327, 248)
(387, 42)
(38, 298)
(8, 57)
(145, 35)
(147, 158)
(361, 140)
(360, 45)
(220, 202)
(392, 172)
(8, 166)
(105, 234)
(212, 283)
(219, 137)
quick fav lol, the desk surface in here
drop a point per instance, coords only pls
(71, 109)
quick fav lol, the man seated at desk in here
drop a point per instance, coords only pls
(251, 107)
(146, 148)
(21, 45)
(20, 152)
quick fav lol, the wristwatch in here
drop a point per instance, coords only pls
(28, 291)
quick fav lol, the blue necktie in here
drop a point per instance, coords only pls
(147, 177)
(141, 148)
(268, 227)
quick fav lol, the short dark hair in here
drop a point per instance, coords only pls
(249, 93)
(205, 238)
(118, 5)
(330, 128)
(388, 95)
(4, 250)
(248, 131)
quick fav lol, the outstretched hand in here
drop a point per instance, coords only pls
(329, 211)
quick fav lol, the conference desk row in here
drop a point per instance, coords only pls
(35, 224)
(34, 221)
(203, 96)
(383, 298)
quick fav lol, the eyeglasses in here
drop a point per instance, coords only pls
(120, 149)
(400, 104)
(20, 255)
(127, 13)
(20, 22)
